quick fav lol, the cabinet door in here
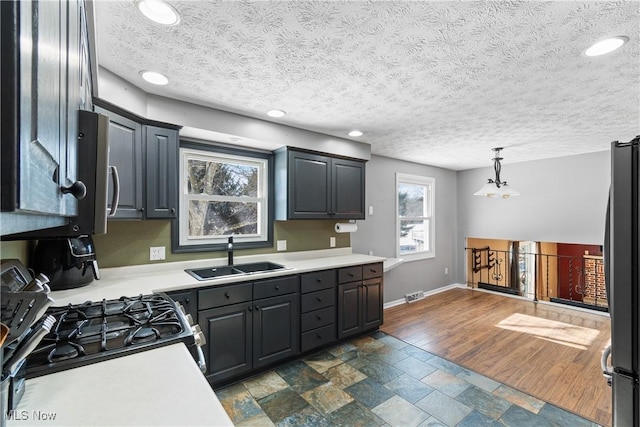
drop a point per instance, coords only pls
(349, 309)
(125, 153)
(228, 334)
(372, 292)
(309, 188)
(276, 329)
(161, 172)
(43, 106)
(347, 189)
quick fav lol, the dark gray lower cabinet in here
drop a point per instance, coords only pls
(249, 325)
(275, 329)
(229, 340)
(349, 309)
(359, 302)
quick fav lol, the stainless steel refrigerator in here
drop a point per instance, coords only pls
(622, 261)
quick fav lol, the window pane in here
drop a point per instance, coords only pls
(221, 179)
(414, 236)
(411, 200)
(222, 218)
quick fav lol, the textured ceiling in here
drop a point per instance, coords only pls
(433, 82)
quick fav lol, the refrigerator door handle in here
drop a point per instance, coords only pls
(607, 371)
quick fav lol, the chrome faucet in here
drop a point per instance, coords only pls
(230, 251)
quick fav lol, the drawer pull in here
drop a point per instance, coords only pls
(257, 307)
(277, 288)
(249, 308)
(373, 270)
(226, 294)
(351, 274)
(319, 336)
(319, 317)
(319, 299)
(319, 280)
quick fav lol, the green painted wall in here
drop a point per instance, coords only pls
(19, 249)
(127, 242)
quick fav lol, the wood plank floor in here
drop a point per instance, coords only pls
(552, 353)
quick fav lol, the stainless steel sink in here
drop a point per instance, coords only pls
(232, 270)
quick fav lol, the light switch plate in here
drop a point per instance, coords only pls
(281, 245)
(370, 210)
(156, 253)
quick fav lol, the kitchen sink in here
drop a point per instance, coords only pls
(258, 267)
(231, 270)
(213, 272)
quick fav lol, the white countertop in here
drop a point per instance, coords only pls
(165, 277)
(159, 387)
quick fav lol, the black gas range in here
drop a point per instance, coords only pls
(96, 331)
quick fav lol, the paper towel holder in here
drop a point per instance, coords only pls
(346, 227)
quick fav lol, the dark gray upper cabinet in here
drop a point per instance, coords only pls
(162, 172)
(145, 155)
(45, 78)
(318, 186)
(125, 155)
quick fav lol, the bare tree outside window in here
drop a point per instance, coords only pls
(222, 196)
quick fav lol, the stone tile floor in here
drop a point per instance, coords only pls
(379, 380)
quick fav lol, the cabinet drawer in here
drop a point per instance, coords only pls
(316, 300)
(316, 338)
(318, 280)
(318, 318)
(350, 274)
(275, 287)
(372, 270)
(224, 295)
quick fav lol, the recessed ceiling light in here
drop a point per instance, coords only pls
(276, 113)
(154, 78)
(606, 46)
(159, 11)
(355, 133)
(234, 139)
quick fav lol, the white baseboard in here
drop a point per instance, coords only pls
(426, 294)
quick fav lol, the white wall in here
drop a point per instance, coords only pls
(562, 200)
(377, 232)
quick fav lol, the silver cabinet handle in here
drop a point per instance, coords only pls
(115, 199)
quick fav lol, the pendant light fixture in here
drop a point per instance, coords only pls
(496, 187)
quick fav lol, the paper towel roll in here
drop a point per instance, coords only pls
(346, 227)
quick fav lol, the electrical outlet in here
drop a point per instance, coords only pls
(370, 210)
(446, 270)
(371, 253)
(281, 245)
(332, 242)
(156, 253)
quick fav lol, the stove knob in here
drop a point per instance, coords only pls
(181, 308)
(198, 336)
(189, 319)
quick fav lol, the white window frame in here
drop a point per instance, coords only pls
(262, 199)
(430, 186)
